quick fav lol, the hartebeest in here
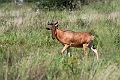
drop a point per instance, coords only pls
(72, 39)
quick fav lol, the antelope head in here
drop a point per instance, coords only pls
(53, 29)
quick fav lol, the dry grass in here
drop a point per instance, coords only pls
(27, 51)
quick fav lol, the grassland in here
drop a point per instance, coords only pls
(27, 51)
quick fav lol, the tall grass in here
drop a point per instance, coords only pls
(27, 51)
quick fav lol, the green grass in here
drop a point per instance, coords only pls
(27, 51)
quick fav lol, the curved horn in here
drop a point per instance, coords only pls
(50, 23)
(56, 23)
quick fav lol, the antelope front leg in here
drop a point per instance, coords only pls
(64, 48)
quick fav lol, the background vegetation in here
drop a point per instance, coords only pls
(27, 51)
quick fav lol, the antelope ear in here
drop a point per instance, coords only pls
(48, 28)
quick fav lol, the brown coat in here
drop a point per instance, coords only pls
(72, 39)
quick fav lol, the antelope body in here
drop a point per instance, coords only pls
(72, 39)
